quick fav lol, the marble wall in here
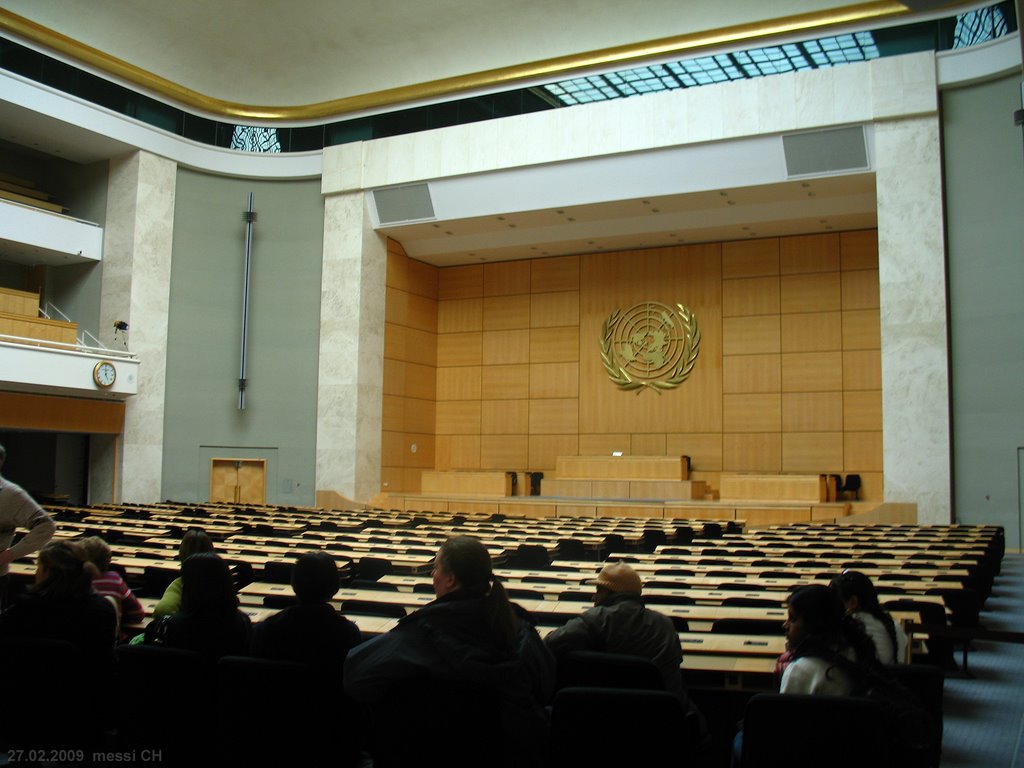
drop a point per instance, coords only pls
(135, 289)
(351, 375)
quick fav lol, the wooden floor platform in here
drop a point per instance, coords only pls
(755, 514)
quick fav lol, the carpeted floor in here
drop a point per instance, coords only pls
(984, 714)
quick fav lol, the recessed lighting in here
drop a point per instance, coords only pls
(501, 218)
(655, 210)
(731, 202)
(570, 218)
(448, 232)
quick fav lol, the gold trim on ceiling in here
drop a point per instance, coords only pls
(558, 67)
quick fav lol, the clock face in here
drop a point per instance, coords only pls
(104, 374)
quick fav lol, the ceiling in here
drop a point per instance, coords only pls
(191, 41)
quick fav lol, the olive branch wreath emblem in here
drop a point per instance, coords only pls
(680, 371)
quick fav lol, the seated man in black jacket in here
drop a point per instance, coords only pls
(312, 632)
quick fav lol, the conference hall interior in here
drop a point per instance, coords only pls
(727, 292)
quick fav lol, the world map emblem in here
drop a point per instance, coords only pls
(650, 345)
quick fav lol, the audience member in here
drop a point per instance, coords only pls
(108, 583)
(860, 599)
(193, 542)
(820, 636)
(312, 631)
(19, 510)
(61, 605)
(619, 622)
(470, 635)
(209, 620)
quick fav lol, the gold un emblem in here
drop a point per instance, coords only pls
(650, 345)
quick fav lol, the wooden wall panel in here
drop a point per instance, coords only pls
(812, 452)
(862, 369)
(406, 414)
(604, 444)
(554, 380)
(504, 312)
(410, 380)
(409, 344)
(461, 383)
(812, 412)
(751, 373)
(506, 347)
(459, 349)
(647, 445)
(752, 452)
(20, 410)
(859, 249)
(811, 293)
(860, 289)
(618, 281)
(505, 382)
(750, 258)
(554, 345)
(863, 451)
(557, 274)
(812, 372)
(751, 335)
(458, 452)
(554, 417)
(507, 452)
(505, 417)
(862, 329)
(751, 296)
(545, 450)
(554, 309)
(812, 332)
(752, 413)
(809, 253)
(458, 418)
(862, 411)
(789, 357)
(460, 315)
(460, 282)
(507, 277)
(409, 275)
(705, 451)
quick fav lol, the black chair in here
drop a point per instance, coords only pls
(426, 708)
(261, 701)
(850, 488)
(670, 600)
(583, 597)
(595, 669)
(155, 579)
(939, 649)
(372, 568)
(576, 712)
(651, 539)
(279, 601)
(38, 673)
(926, 682)
(837, 731)
(752, 602)
(747, 627)
(520, 593)
(571, 549)
(371, 608)
(179, 718)
(277, 573)
(530, 556)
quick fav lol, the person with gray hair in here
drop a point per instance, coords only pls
(19, 510)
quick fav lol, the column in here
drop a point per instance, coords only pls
(350, 384)
(136, 289)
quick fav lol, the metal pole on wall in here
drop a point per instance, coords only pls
(249, 217)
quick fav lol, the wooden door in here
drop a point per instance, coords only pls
(238, 481)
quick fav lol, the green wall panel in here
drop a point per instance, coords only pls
(204, 334)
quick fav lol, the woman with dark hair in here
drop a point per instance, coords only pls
(209, 620)
(471, 638)
(61, 605)
(194, 542)
(824, 643)
(860, 599)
